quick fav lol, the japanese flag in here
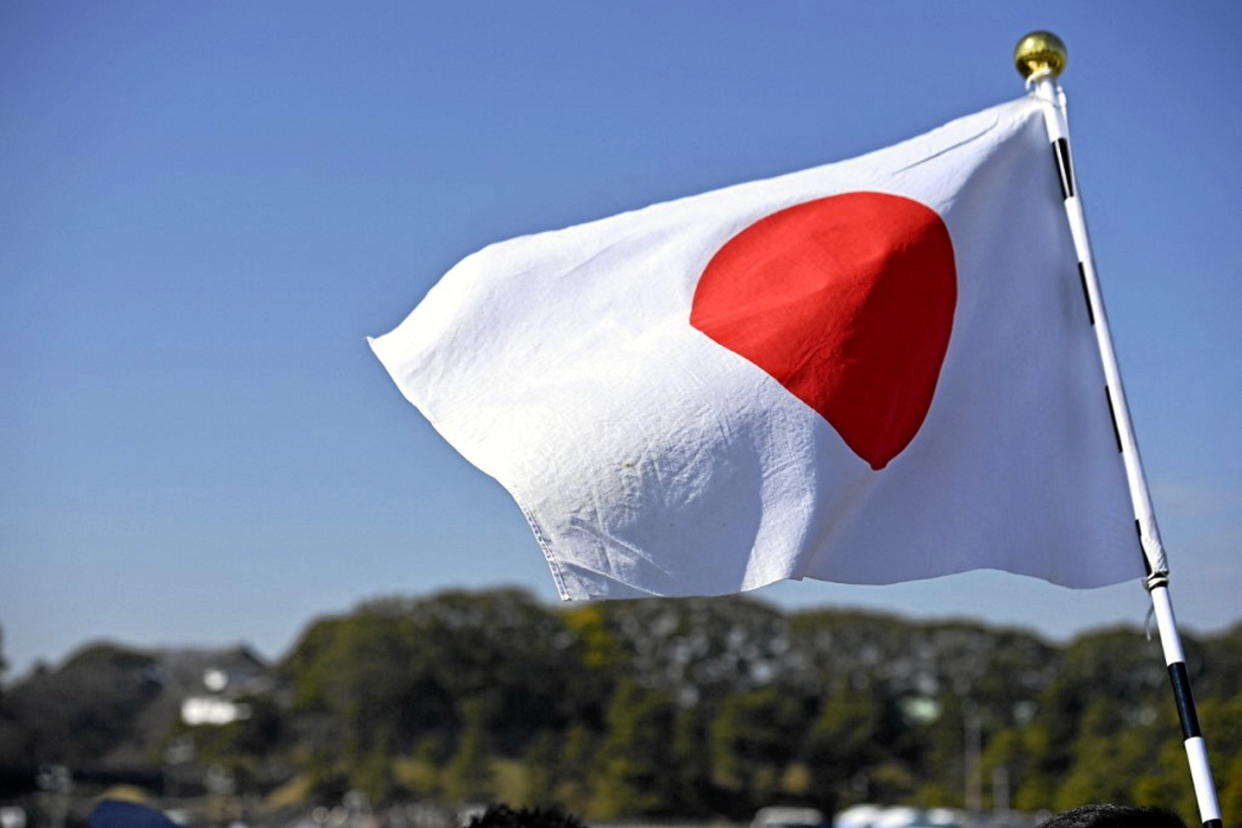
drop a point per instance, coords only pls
(872, 371)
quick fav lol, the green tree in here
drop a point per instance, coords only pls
(844, 740)
(1048, 741)
(574, 769)
(89, 707)
(1109, 755)
(374, 776)
(387, 676)
(12, 738)
(634, 774)
(541, 766)
(753, 739)
(693, 782)
(326, 781)
(468, 777)
(243, 746)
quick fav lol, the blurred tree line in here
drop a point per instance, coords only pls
(672, 708)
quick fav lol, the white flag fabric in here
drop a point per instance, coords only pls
(872, 371)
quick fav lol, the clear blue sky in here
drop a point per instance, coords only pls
(207, 206)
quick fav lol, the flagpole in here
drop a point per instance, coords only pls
(1040, 57)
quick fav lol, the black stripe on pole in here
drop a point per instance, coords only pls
(1213, 823)
(1060, 148)
(1113, 414)
(1138, 530)
(1086, 295)
(1184, 699)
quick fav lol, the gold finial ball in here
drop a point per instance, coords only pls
(1040, 50)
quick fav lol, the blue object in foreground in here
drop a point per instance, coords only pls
(115, 813)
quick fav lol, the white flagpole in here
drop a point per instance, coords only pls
(1040, 57)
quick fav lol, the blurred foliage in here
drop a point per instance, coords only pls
(80, 711)
(657, 708)
(635, 774)
(469, 776)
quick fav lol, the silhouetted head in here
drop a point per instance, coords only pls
(502, 816)
(1115, 816)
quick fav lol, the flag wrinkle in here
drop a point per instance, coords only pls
(962, 142)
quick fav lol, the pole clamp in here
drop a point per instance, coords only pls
(1156, 579)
